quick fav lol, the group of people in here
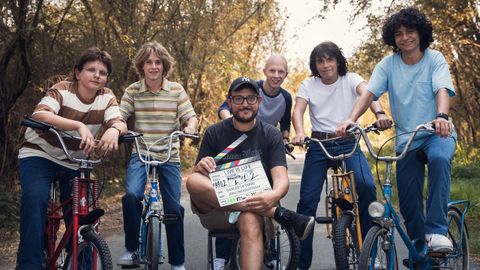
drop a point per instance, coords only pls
(416, 78)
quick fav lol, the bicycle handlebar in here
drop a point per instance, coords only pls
(330, 156)
(429, 126)
(36, 124)
(133, 137)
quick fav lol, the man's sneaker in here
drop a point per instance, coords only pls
(128, 260)
(302, 225)
(438, 243)
(218, 264)
(178, 267)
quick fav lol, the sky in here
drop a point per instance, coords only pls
(301, 35)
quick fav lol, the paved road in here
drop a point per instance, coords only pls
(196, 235)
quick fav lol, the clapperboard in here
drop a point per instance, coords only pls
(237, 180)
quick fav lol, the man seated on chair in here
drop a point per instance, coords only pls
(262, 140)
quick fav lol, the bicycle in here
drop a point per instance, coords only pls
(151, 254)
(281, 245)
(341, 206)
(80, 247)
(379, 249)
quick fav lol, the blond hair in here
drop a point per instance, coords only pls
(145, 51)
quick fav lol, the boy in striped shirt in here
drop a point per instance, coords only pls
(159, 107)
(80, 107)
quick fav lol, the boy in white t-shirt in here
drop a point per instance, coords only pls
(330, 94)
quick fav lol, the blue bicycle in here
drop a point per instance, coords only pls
(151, 253)
(379, 248)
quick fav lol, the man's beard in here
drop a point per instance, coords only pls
(245, 120)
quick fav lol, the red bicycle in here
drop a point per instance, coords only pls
(80, 246)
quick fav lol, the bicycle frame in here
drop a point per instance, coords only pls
(390, 219)
(152, 196)
(343, 188)
(79, 205)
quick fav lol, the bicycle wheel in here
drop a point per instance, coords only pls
(377, 251)
(93, 253)
(281, 252)
(345, 244)
(153, 235)
(457, 233)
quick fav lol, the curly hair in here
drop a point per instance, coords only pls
(328, 49)
(410, 18)
(144, 52)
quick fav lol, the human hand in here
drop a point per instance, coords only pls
(299, 139)
(443, 127)
(343, 126)
(205, 166)
(109, 141)
(261, 202)
(188, 130)
(383, 122)
(87, 144)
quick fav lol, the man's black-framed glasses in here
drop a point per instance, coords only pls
(238, 100)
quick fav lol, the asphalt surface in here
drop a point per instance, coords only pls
(196, 235)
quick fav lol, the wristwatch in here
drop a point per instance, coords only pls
(442, 115)
(379, 112)
(119, 131)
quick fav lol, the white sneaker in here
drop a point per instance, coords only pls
(379, 265)
(218, 264)
(178, 267)
(128, 258)
(438, 243)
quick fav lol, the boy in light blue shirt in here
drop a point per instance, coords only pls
(419, 86)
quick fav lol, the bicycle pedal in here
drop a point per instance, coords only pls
(437, 254)
(324, 220)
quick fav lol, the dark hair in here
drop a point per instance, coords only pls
(328, 49)
(410, 18)
(158, 49)
(93, 54)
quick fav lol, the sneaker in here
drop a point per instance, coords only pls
(218, 264)
(302, 225)
(129, 259)
(379, 265)
(178, 267)
(438, 243)
(273, 265)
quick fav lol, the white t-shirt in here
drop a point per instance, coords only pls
(329, 104)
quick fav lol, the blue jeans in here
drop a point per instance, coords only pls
(410, 183)
(36, 177)
(170, 182)
(313, 176)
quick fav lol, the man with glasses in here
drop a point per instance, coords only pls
(275, 109)
(262, 140)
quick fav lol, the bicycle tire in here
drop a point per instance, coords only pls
(153, 236)
(345, 244)
(289, 250)
(94, 241)
(374, 237)
(459, 259)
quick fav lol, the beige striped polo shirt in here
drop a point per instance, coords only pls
(62, 100)
(157, 115)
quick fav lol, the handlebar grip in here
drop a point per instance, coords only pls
(189, 135)
(129, 137)
(32, 123)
